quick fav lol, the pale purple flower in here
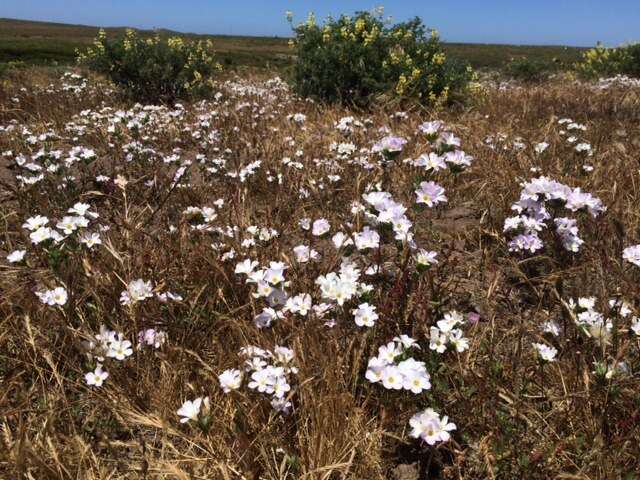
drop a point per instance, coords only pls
(431, 194)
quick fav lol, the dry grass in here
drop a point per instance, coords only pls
(514, 419)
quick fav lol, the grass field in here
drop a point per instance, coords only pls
(46, 43)
(254, 285)
(173, 306)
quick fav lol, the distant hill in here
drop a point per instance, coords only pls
(43, 43)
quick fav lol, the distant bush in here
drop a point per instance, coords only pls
(153, 69)
(528, 70)
(608, 62)
(8, 67)
(352, 59)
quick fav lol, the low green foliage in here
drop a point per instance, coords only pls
(353, 59)
(528, 70)
(154, 69)
(606, 62)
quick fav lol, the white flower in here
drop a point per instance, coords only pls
(437, 341)
(450, 321)
(428, 426)
(40, 235)
(136, 291)
(90, 239)
(320, 227)
(374, 369)
(97, 377)
(300, 304)
(275, 273)
(280, 387)
(426, 258)
(458, 341)
(190, 410)
(119, 349)
(632, 255)
(367, 239)
(406, 341)
(304, 223)
(304, 254)
(430, 194)
(392, 378)
(68, 224)
(262, 380)
(80, 209)
(365, 315)
(552, 328)
(415, 381)
(546, 353)
(230, 380)
(541, 147)
(246, 267)
(16, 256)
(34, 223)
(635, 326)
(281, 405)
(57, 296)
(340, 240)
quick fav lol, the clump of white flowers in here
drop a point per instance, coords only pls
(268, 372)
(446, 334)
(137, 291)
(446, 152)
(593, 323)
(384, 212)
(589, 320)
(542, 200)
(395, 369)
(343, 286)
(55, 297)
(104, 345)
(67, 227)
(151, 337)
(270, 284)
(430, 427)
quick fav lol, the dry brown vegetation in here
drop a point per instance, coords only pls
(514, 417)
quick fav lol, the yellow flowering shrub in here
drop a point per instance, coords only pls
(352, 59)
(153, 69)
(605, 62)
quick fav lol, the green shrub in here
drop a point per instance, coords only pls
(153, 69)
(528, 70)
(607, 62)
(351, 59)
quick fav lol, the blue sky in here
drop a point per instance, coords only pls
(566, 22)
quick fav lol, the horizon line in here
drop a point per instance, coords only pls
(274, 36)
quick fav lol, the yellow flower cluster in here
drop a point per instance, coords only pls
(602, 60)
(439, 58)
(371, 36)
(311, 20)
(401, 85)
(175, 43)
